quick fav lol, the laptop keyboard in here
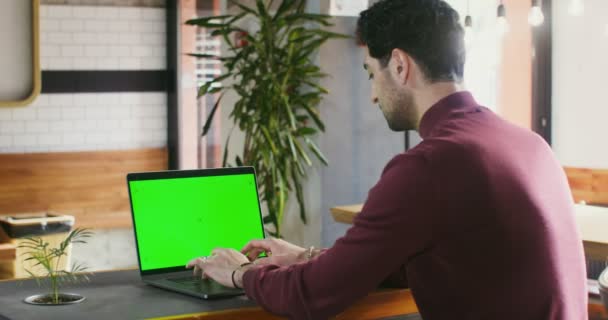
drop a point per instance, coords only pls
(196, 283)
(188, 280)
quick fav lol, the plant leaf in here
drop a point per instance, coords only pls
(269, 140)
(244, 8)
(207, 125)
(306, 131)
(313, 113)
(203, 21)
(316, 151)
(299, 196)
(206, 56)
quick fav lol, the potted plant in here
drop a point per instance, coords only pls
(276, 81)
(46, 261)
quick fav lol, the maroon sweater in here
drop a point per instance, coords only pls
(477, 220)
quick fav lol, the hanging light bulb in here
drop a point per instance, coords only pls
(468, 27)
(576, 8)
(501, 22)
(536, 17)
(468, 30)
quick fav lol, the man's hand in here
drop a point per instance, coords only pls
(219, 266)
(279, 252)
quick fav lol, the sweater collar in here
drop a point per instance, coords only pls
(443, 108)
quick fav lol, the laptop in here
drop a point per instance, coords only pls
(184, 214)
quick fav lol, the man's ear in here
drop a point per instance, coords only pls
(400, 66)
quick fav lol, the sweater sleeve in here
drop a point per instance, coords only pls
(393, 226)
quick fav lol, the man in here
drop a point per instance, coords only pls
(477, 219)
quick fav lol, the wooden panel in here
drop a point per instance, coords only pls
(377, 305)
(89, 185)
(589, 185)
(596, 310)
(7, 251)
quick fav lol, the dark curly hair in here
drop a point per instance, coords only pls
(428, 30)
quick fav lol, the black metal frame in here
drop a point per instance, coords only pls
(542, 75)
(171, 74)
(77, 81)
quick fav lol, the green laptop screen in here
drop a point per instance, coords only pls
(178, 219)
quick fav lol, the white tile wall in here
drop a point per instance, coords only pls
(93, 38)
(85, 122)
(102, 38)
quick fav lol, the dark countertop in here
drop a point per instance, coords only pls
(109, 295)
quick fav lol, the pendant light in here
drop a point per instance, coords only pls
(468, 27)
(501, 19)
(536, 17)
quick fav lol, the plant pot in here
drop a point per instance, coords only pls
(47, 299)
(603, 283)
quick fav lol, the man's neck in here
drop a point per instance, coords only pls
(431, 94)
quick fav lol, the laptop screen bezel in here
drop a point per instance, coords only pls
(176, 174)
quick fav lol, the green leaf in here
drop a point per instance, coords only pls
(329, 34)
(306, 131)
(316, 151)
(204, 89)
(316, 86)
(269, 219)
(206, 56)
(299, 196)
(261, 9)
(319, 18)
(204, 20)
(314, 114)
(269, 140)
(225, 158)
(292, 147)
(244, 8)
(292, 119)
(302, 153)
(285, 6)
(207, 125)
(226, 31)
(210, 25)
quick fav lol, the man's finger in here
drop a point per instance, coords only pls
(219, 252)
(254, 254)
(264, 245)
(192, 263)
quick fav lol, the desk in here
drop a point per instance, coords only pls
(592, 222)
(122, 295)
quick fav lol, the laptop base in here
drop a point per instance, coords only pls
(203, 288)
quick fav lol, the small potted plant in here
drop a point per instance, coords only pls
(46, 263)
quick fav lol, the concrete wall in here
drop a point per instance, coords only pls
(358, 143)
